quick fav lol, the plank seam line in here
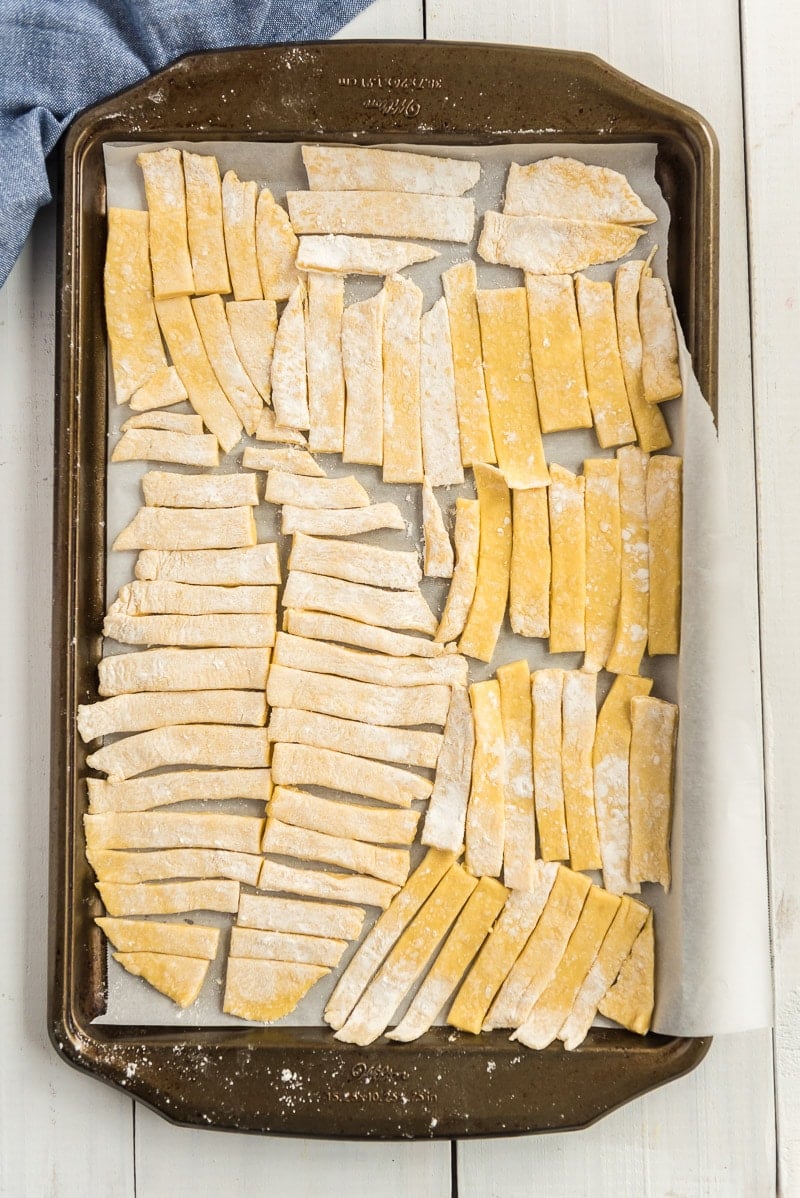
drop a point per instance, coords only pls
(133, 1119)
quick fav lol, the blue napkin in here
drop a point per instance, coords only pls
(61, 55)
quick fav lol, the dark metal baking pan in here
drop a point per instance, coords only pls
(445, 1084)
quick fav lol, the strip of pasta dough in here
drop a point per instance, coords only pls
(390, 865)
(502, 948)
(557, 353)
(467, 535)
(664, 504)
(384, 934)
(283, 946)
(661, 375)
(301, 765)
(529, 587)
(359, 255)
(306, 654)
(447, 810)
(164, 489)
(254, 565)
(163, 597)
(485, 618)
(276, 248)
(353, 821)
(324, 362)
(272, 914)
(630, 637)
(399, 706)
(184, 939)
(651, 428)
(565, 187)
(654, 728)
(608, 397)
(441, 452)
(370, 605)
(508, 371)
(630, 1000)
(342, 522)
(516, 710)
(467, 935)
(357, 168)
(178, 324)
(362, 361)
(568, 561)
(315, 492)
(169, 898)
(547, 688)
(294, 459)
(485, 826)
(204, 224)
(579, 718)
(165, 189)
(191, 744)
(172, 829)
(408, 959)
(474, 427)
(253, 325)
(321, 626)
(157, 445)
(402, 430)
(369, 564)
(603, 559)
(159, 865)
(198, 632)
(136, 350)
(180, 978)
(138, 712)
(345, 888)
(142, 794)
(546, 245)
(264, 991)
(382, 214)
(163, 388)
(239, 223)
(399, 745)
(610, 756)
(438, 550)
(209, 312)
(270, 430)
(288, 375)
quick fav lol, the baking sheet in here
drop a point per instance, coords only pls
(712, 929)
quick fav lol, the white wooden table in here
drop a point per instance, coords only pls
(733, 1126)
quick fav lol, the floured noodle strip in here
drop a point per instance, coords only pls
(462, 588)
(391, 568)
(357, 822)
(281, 946)
(163, 489)
(239, 223)
(302, 654)
(288, 376)
(178, 324)
(163, 388)
(179, 978)
(269, 430)
(402, 430)
(630, 1000)
(253, 324)
(438, 550)
(294, 459)
(661, 373)
(359, 255)
(603, 559)
(346, 522)
(362, 361)
(161, 865)
(568, 561)
(631, 633)
(209, 312)
(485, 618)
(165, 189)
(651, 428)
(157, 445)
(654, 728)
(389, 865)
(198, 632)
(408, 959)
(475, 431)
(322, 626)
(447, 810)
(346, 888)
(276, 248)
(398, 706)
(516, 710)
(565, 187)
(190, 940)
(300, 765)
(557, 353)
(485, 826)
(204, 224)
(577, 738)
(610, 755)
(171, 829)
(315, 492)
(547, 246)
(174, 422)
(220, 567)
(355, 737)
(440, 447)
(138, 712)
(263, 991)
(467, 935)
(162, 597)
(504, 944)
(305, 919)
(369, 605)
(384, 934)
(546, 692)
(186, 744)
(529, 588)
(555, 1003)
(608, 397)
(136, 350)
(324, 362)
(664, 501)
(141, 794)
(356, 168)
(169, 898)
(382, 214)
(509, 386)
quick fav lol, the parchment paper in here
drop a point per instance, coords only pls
(712, 930)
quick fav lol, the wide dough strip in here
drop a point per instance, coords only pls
(248, 566)
(204, 224)
(460, 287)
(326, 627)
(357, 168)
(631, 633)
(182, 939)
(441, 452)
(402, 429)
(354, 821)
(253, 325)
(340, 522)
(289, 387)
(329, 694)
(340, 255)
(438, 552)
(326, 388)
(568, 561)
(654, 728)
(485, 825)
(447, 810)
(661, 374)
(356, 601)
(162, 865)
(485, 618)
(516, 710)
(285, 946)
(315, 492)
(163, 388)
(546, 245)
(367, 564)
(159, 445)
(382, 214)
(651, 428)
(270, 430)
(318, 884)
(301, 765)
(508, 372)
(603, 559)
(529, 585)
(578, 721)
(180, 978)
(186, 744)
(664, 504)
(169, 898)
(362, 362)
(466, 537)
(276, 248)
(630, 1000)
(286, 840)
(206, 631)
(557, 353)
(239, 224)
(162, 488)
(137, 712)
(608, 397)
(566, 187)
(304, 654)
(547, 688)
(401, 746)
(136, 350)
(162, 171)
(164, 597)
(209, 312)
(178, 786)
(271, 914)
(294, 459)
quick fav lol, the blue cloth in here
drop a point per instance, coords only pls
(59, 56)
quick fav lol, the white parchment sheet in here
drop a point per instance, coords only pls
(712, 930)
